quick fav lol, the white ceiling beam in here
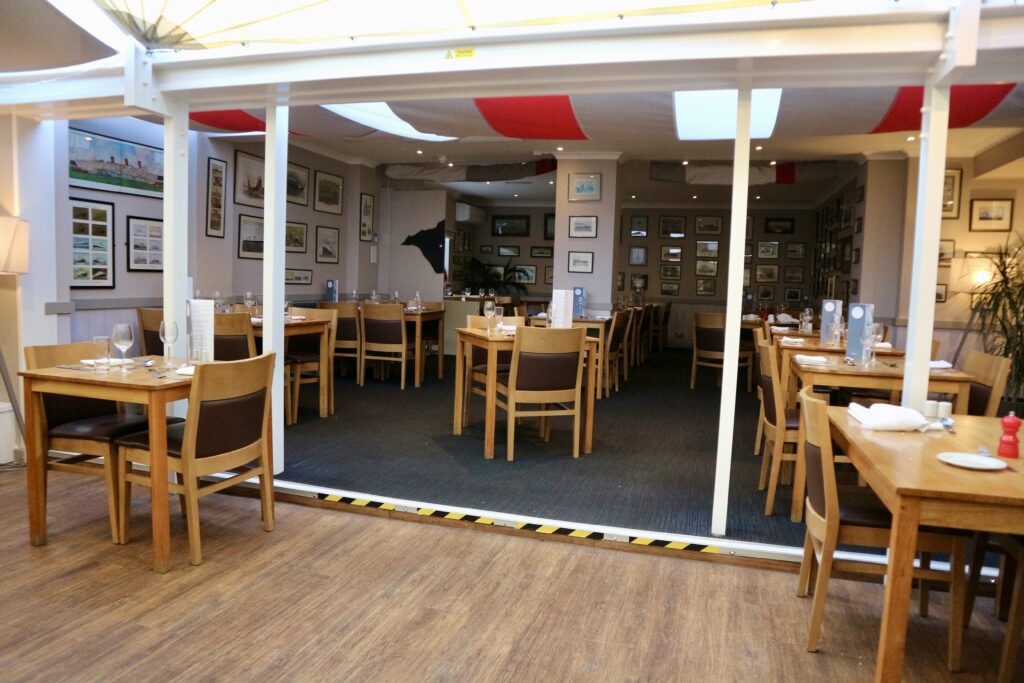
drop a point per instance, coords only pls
(960, 51)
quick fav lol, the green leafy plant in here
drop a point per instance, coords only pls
(478, 275)
(1000, 309)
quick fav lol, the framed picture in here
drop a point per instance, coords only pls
(947, 249)
(748, 253)
(672, 227)
(793, 274)
(496, 271)
(467, 241)
(457, 276)
(584, 187)
(638, 256)
(581, 262)
(858, 225)
(795, 250)
(525, 275)
(991, 215)
(860, 194)
(145, 244)
(750, 227)
(951, 193)
(248, 179)
(766, 273)
(708, 225)
(779, 226)
(542, 252)
(672, 254)
(856, 256)
(297, 184)
(794, 294)
(510, 226)
(767, 250)
(486, 248)
(670, 289)
(671, 272)
(707, 248)
(582, 226)
(295, 238)
(638, 226)
(940, 294)
(549, 275)
(329, 195)
(765, 292)
(508, 251)
(250, 236)
(98, 162)
(620, 281)
(216, 173)
(707, 268)
(327, 244)
(746, 277)
(638, 282)
(365, 217)
(298, 276)
(458, 259)
(92, 244)
(705, 287)
(549, 226)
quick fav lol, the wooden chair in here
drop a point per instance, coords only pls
(644, 337)
(709, 347)
(149, 331)
(476, 363)
(1009, 599)
(781, 426)
(303, 356)
(630, 341)
(614, 348)
(987, 389)
(226, 430)
(852, 515)
(431, 337)
(522, 311)
(233, 338)
(348, 337)
(382, 327)
(85, 427)
(547, 368)
(758, 340)
(659, 327)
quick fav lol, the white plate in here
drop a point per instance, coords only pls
(972, 461)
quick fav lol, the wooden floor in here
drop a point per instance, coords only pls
(335, 596)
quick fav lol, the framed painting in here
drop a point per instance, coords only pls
(765, 292)
(584, 187)
(297, 184)
(707, 248)
(98, 162)
(707, 225)
(525, 275)
(706, 268)
(92, 244)
(248, 179)
(549, 226)
(766, 273)
(672, 254)
(795, 250)
(216, 174)
(510, 226)
(779, 226)
(638, 282)
(991, 215)
(510, 251)
(638, 256)
(549, 275)
(365, 217)
(583, 226)
(705, 287)
(947, 249)
(672, 227)
(329, 192)
(671, 272)
(298, 276)
(145, 244)
(670, 289)
(295, 237)
(796, 294)
(581, 262)
(327, 244)
(638, 226)
(793, 274)
(250, 237)
(767, 250)
(542, 252)
(951, 193)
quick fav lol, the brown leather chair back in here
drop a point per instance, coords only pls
(618, 330)
(348, 320)
(709, 332)
(822, 494)
(228, 407)
(233, 338)
(310, 343)
(59, 409)
(383, 325)
(479, 322)
(547, 359)
(149, 329)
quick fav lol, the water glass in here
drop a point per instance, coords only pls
(397, 297)
(123, 338)
(101, 361)
(491, 292)
(249, 300)
(499, 316)
(287, 309)
(195, 349)
(489, 314)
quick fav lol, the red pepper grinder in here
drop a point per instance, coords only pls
(1009, 444)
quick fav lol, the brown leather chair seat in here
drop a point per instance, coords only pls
(792, 418)
(861, 507)
(175, 437)
(301, 357)
(104, 428)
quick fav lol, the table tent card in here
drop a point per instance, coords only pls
(579, 302)
(561, 308)
(861, 316)
(830, 310)
(199, 326)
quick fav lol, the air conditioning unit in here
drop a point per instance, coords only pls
(464, 213)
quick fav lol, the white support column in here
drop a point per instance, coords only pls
(176, 221)
(733, 312)
(275, 177)
(927, 231)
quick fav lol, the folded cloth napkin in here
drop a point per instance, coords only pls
(940, 365)
(793, 340)
(889, 418)
(786, 318)
(298, 317)
(751, 316)
(810, 360)
(542, 314)
(507, 328)
(113, 361)
(186, 370)
(781, 329)
(257, 319)
(883, 345)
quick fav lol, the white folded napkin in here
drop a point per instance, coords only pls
(940, 365)
(186, 370)
(542, 314)
(113, 361)
(810, 360)
(786, 318)
(750, 316)
(257, 319)
(298, 317)
(507, 328)
(883, 345)
(781, 329)
(884, 417)
(793, 340)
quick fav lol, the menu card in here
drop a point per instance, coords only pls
(830, 310)
(861, 316)
(579, 302)
(199, 327)
(561, 308)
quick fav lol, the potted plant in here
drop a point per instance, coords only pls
(478, 275)
(999, 306)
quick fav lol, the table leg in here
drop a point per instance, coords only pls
(440, 346)
(418, 358)
(960, 401)
(796, 511)
(898, 582)
(460, 380)
(158, 481)
(588, 436)
(491, 407)
(599, 384)
(325, 369)
(35, 466)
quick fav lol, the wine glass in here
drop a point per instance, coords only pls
(249, 300)
(287, 308)
(877, 333)
(123, 338)
(168, 335)
(489, 314)
(491, 292)
(397, 297)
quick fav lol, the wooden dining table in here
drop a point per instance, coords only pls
(298, 325)
(425, 315)
(493, 343)
(918, 489)
(811, 346)
(137, 385)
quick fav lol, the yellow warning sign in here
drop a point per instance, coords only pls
(460, 53)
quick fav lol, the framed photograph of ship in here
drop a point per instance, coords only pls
(250, 237)
(98, 162)
(329, 191)
(145, 244)
(295, 237)
(248, 179)
(92, 244)
(216, 172)
(298, 276)
(298, 185)
(327, 244)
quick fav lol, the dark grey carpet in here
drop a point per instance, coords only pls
(652, 465)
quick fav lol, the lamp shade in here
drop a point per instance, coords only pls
(13, 245)
(966, 274)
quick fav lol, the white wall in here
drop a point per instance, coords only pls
(408, 270)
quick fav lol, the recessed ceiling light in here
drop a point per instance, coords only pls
(757, 197)
(450, 164)
(694, 196)
(419, 151)
(686, 163)
(771, 163)
(758, 148)
(551, 182)
(911, 138)
(488, 182)
(515, 195)
(559, 149)
(632, 196)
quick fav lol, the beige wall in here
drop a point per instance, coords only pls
(536, 214)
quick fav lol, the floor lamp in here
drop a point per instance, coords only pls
(965, 275)
(14, 261)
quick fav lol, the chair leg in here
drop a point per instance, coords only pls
(296, 388)
(760, 430)
(806, 567)
(766, 461)
(750, 376)
(510, 445)
(110, 469)
(402, 371)
(182, 503)
(957, 560)
(124, 498)
(693, 371)
(576, 429)
(924, 587)
(977, 562)
(773, 481)
(1011, 642)
(287, 395)
(1004, 589)
(820, 594)
(267, 491)
(192, 501)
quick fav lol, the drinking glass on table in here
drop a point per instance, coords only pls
(397, 297)
(123, 338)
(489, 314)
(877, 333)
(867, 344)
(249, 300)
(101, 359)
(287, 309)
(499, 316)
(168, 335)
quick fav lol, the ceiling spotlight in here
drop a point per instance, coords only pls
(632, 196)
(694, 196)
(911, 138)
(487, 183)
(551, 182)
(686, 163)
(450, 164)
(515, 195)
(559, 149)
(771, 163)
(419, 151)
(757, 197)
(758, 148)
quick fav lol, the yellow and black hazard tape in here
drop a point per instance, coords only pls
(545, 529)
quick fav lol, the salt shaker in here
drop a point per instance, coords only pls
(1009, 444)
